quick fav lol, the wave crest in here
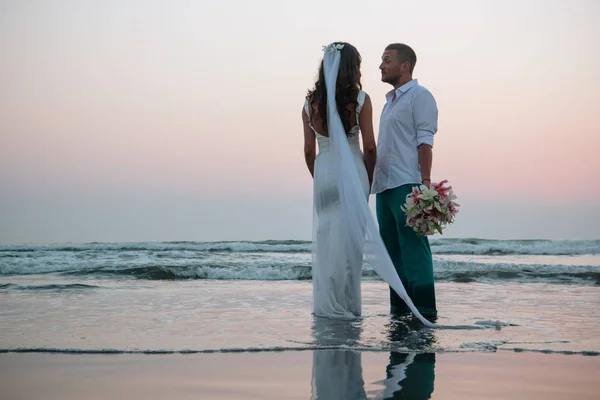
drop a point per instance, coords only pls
(439, 246)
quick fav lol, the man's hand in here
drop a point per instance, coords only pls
(427, 182)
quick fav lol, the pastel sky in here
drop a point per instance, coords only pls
(125, 120)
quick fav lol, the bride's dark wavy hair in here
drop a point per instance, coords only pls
(347, 86)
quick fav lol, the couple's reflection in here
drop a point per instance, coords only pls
(409, 376)
(337, 373)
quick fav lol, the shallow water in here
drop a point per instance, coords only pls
(67, 314)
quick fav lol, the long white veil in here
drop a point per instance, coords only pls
(358, 230)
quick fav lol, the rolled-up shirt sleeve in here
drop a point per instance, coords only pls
(425, 115)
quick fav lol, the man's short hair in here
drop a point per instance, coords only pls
(404, 53)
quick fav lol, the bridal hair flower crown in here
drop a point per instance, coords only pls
(333, 47)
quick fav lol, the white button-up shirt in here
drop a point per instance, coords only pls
(408, 119)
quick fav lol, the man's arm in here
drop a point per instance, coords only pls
(425, 114)
(425, 162)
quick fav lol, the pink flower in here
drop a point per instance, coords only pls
(429, 210)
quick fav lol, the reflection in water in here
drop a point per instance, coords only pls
(337, 374)
(409, 376)
(409, 334)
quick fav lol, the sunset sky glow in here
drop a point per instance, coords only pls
(154, 120)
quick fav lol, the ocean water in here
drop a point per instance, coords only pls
(197, 297)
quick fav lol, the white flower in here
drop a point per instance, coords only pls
(333, 47)
(428, 194)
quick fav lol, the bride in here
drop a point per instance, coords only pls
(336, 112)
(336, 271)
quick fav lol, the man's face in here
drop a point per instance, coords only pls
(391, 68)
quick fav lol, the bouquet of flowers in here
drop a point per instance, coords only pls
(430, 209)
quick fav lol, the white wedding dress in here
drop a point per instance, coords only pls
(336, 270)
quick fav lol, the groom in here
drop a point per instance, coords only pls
(404, 158)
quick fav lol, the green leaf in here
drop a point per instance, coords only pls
(439, 228)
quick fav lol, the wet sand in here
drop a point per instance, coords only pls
(330, 374)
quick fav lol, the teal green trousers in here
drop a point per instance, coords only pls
(410, 253)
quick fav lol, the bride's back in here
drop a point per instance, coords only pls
(336, 269)
(320, 124)
(347, 93)
(355, 110)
